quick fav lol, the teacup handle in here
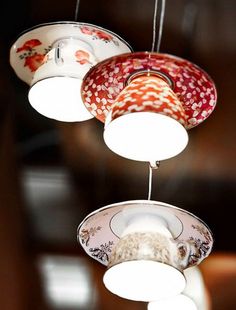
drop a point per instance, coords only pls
(58, 57)
(184, 251)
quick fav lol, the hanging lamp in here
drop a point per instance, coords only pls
(53, 59)
(148, 101)
(146, 246)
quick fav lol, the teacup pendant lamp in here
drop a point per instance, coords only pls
(147, 121)
(148, 101)
(146, 246)
(53, 59)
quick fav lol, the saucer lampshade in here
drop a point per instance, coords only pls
(147, 102)
(125, 237)
(53, 59)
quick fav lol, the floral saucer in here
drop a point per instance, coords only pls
(193, 87)
(29, 50)
(101, 230)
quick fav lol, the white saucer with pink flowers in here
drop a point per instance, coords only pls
(29, 50)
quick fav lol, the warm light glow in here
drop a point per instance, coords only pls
(145, 136)
(59, 98)
(144, 280)
(177, 302)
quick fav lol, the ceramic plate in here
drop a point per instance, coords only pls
(192, 85)
(29, 51)
(100, 230)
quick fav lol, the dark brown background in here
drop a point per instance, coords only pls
(52, 174)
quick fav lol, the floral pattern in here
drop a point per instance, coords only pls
(86, 234)
(200, 250)
(102, 252)
(201, 229)
(41, 39)
(29, 45)
(143, 245)
(98, 34)
(193, 87)
(101, 245)
(82, 57)
(149, 94)
(32, 59)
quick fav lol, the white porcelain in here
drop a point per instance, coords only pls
(101, 230)
(50, 57)
(147, 247)
(55, 87)
(39, 40)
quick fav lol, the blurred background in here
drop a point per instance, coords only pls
(52, 174)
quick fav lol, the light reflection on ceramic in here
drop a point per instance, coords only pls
(188, 229)
(193, 87)
(28, 52)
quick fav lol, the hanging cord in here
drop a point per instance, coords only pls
(154, 35)
(76, 10)
(156, 42)
(152, 166)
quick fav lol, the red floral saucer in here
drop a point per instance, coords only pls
(30, 49)
(193, 87)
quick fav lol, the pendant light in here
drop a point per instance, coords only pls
(146, 246)
(53, 58)
(148, 101)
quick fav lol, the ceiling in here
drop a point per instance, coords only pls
(59, 172)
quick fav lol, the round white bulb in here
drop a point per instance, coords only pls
(59, 98)
(145, 136)
(144, 280)
(177, 302)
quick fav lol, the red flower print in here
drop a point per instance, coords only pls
(86, 30)
(34, 61)
(102, 35)
(29, 45)
(82, 57)
(97, 34)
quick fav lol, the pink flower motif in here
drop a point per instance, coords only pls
(29, 45)
(86, 30)
(82, 57)
(103, 36)
(98, 34)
